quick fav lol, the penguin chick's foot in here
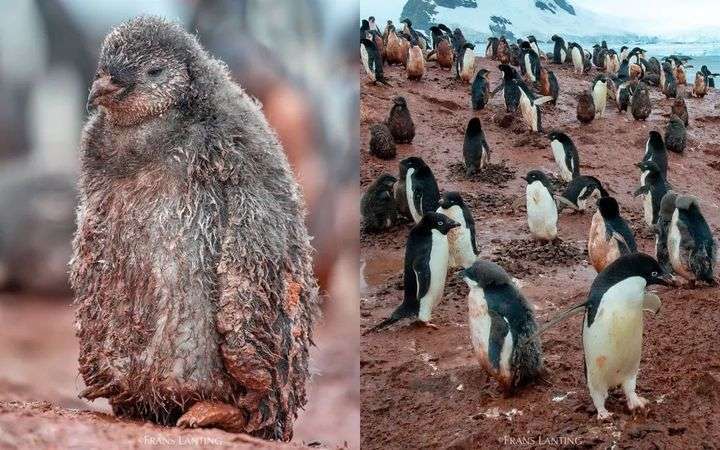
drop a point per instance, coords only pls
(205, 414)
(634, 402)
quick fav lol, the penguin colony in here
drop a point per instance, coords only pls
(503, 330)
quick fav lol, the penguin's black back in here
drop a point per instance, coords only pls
(470, 224)
(657, 154)
(424, 181)
(619, 225)
(478, 90)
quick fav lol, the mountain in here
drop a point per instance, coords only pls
(480, 19)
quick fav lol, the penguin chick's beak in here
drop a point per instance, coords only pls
(102, 87)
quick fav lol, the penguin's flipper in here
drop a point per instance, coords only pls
(498, 88)
(422, 275)
(499, 328)
(562, 201)
(561, 317)
(622, 243)
(651, 303)
(541, 100)
(641, 190)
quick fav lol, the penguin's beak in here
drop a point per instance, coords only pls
(101, 88)
(664, 279)
(452, 224)
(524, 178)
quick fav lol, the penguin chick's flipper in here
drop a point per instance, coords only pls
(206, 414)
(651, 303)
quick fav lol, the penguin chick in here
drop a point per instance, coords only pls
(476, 151)
(585, 107)
(653, 190)
(192, 266)
(377, 206)
(679, 109)
(613, 327)
(480, 90)
(662, 229)
(640, 105)
(502, 327)
(415, 63)
(699, 86)
(541, 209)
(566, 155)
(444, 54)
(675, 135)
(400, 122)
(420, 187)
(609, 236)
(381, 144)
(426, 264)
(667, 79)
(461, 240)
(691, 246)
(581, 192)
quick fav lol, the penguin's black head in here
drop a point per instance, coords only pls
(389, 22)
(386, 180)
(371, 18)
(649, 166)
(525, 45)
(604, 44)
(655, 140)
(536, 175)
(640, 265)
(473, 127)
(413, 162)
(469, 45)
(608, 207)
(508, 72)
(450, 199)
(531, 38)
(483, 274)
(407, 22)
(365, 25)
(483, 72)
(519, 42)
(555, 37)
(400, 102)
(558, 136)
(596, 46)
(437, 221)
(623, 48)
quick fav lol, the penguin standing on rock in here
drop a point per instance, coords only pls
(461, 239)
(599, 92)
(699, 86)
(554, 87)
(566, 155)
(610, 237)
(372, 61)
(400, 122)
(503, 51)
(653, 190)
(530, 62)
(541, 208)
(577, 56)
(381, 144)
(502, 327)
(640, 105)
(675, 135)
(662, 229)
(655, 152)
(581, 192)
(378, 207)
(511, 90)
(585, 107)
(530, 106)
(480, 90)
(623, 95)
(467, 63)
(667, 79)
(476, 151)
(691, 246)
(415, 65)
(426, 264)
(679, 109)
(560, 52)
(421, 188)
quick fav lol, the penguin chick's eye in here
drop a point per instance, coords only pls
(155, 71)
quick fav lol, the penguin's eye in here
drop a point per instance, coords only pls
(654, 274)
(155, 71)
(441, 223)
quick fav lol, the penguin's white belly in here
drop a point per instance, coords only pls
(468, 65)
(662, 78)
(559, 154)
(529, 111)
(541, 211)
(480, 325)
(438, 270)
(365, 59)
(459, 239)
(674, 240)
(599, 98)
(485, 157)
(528, 68)
(577, 59)
(563, 55)
(416, 215)
(648, 208)
(613, 343)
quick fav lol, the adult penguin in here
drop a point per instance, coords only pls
(490, 48)
(554, 87)
(502, 326)
(467, 63)
(476, 151)
(377, 206)
(623, 95)
(675, 135)
(583, 191)
(653, 190)
(599, 92)
(691, 246)
(511, 90)
(669, 84)
(610, 237)
(530, 106)
(372, 61)
(541, 208)
(458, 41)
(624, 51)
(421, 189)
(656, 152)
(480, 90)
(565, 154)
(426, 264)
(560, 51)
(576, 54)
(530, 62)
(437, 35)
(709, 76)
(461, 239)
(662, 229)
(534, 45)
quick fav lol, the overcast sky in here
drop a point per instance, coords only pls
(660, 16)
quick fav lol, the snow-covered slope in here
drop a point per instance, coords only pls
(514, 18)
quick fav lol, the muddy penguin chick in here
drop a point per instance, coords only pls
(381, 143)
(609, 236)
(377, 206)
(400, 122)
(680, 109)
(691, 246)
(640, 105)
(675, 135)
(502, 326)
(585, 107)
(192, 267)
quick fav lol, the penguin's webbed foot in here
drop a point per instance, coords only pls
(604, 415)
(428, 325)
(207, 414)
(635, 401)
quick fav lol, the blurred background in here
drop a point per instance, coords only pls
(295, 56)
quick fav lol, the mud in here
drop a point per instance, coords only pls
(422, 388)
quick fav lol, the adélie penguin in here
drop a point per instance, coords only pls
(421, 189)
(654, 189)
(542, 212)
(655, 151)
(599, 92)
(530, 106)
(566, 155)
(530, 62)
(467, 63)
(577, 56)
(511, 90)
(372, 61)
(691, 246)
(426, 264)
(610, 237)
(502, 326)
(662, 228)
(559, 49)
(461, 240)
(581, 192)
(476, 151)
(480, 90)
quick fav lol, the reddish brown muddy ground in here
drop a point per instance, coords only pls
(39, 386)
(422, 388)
